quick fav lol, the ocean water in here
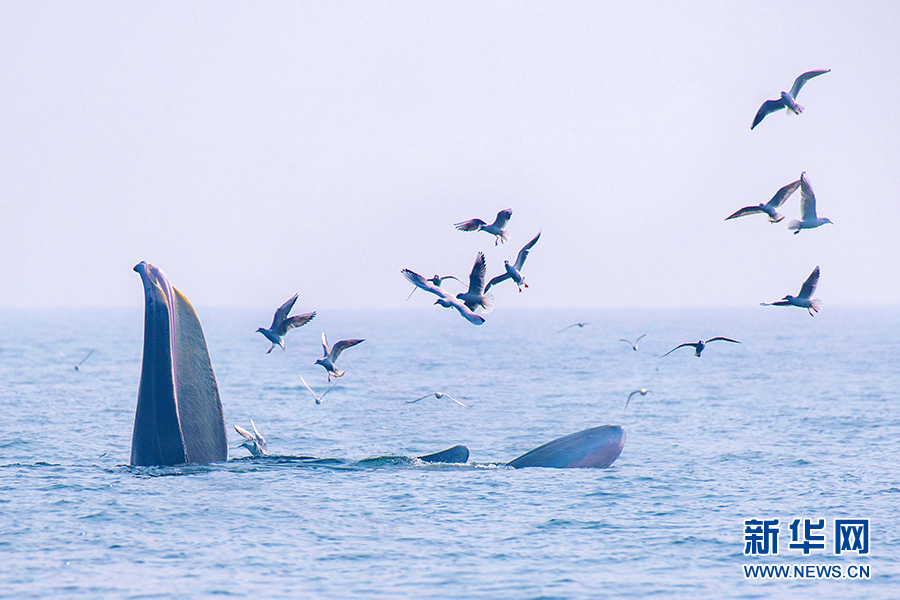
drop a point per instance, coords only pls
(800, 420)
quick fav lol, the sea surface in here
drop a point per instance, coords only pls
(800, 420)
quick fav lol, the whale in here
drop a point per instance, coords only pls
(179, 417)
(597, 447)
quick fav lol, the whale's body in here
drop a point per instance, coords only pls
(597, 447)
(179, 414)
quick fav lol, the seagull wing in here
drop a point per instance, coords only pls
(457, 401)
(747, 210)
(465, 311)
(420, 282)
(244, 433)
(628, 399)
(802, 79)
(721, 339)
(328, 390)
(502, 218)
(294, 322)
(677, 347)
(476, 277)
(639, 337)
(341, 346)
(86, 357)
(523, 253)
(495, 281)
(807, 198)
(259, 437)
(470, 225)
(417, 399)
(783, 194)
(445, 277)
(325, 344)
(809, 286)
(283, 311)
(307, 385)
(767, 107)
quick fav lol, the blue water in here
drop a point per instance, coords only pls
(801, 420)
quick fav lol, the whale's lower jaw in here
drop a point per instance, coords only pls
(179, 414)
(597, 447)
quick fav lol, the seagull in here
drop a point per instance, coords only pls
(769, 207)
(281, 324)
(495, 228)
(254, 442)
(78, 364)
(476, 295)
(634, 346)
(699, 346)
(641, 391)
(578, 325)
(808, 218)
(318, 398)
(438, 395)
(331, 355)
(436, 280)
(787, 100)
(444, 298)
(514, 271)
(802, 299)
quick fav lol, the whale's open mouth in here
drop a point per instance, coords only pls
(179, 415)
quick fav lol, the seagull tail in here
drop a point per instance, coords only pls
(815, 304)
(487, 303)
(776, 218)
(794, 224)
(792, 111)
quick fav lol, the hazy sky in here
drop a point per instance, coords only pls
(253, 150)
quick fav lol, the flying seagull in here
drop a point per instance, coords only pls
(281, 324)
(802, 299)
(254, 442)
(634, 345)
(438, 395)
(788, 100)
(808, 218)
(514, 271)
(331, 355)
(444, 298)
(477, 295)
(436, 280)
(769, 207)
(495, 228)
(317, 398)
(578, 325)
(78, 364)
(641, 391)
(699, 346)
